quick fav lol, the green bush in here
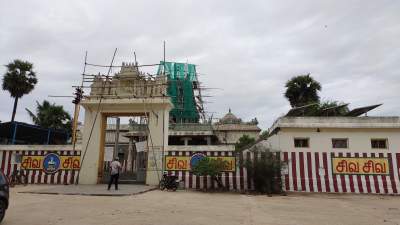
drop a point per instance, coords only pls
(210, 167)
(265, 171)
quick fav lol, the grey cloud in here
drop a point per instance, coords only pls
(247, 48)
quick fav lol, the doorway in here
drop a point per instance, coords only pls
(125, 138)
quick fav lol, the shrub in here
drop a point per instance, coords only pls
(265, 170)
(212, 168)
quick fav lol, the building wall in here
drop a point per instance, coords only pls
(358, 139)
(9, 164)
(234, 180)
(231, 137)
(311, 170)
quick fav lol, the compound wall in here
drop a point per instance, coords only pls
(14, 157)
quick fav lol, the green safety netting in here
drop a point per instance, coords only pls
(180, 89)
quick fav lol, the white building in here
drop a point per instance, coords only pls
(330, 134)
(338, 154)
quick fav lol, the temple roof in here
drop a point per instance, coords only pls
(230, 118)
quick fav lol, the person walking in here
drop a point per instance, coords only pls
(114, 175)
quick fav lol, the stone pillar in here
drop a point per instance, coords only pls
(89, 166)
(157, 142)
(186, 140)
(208, 139)
(130, 160)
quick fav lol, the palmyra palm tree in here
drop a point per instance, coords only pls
(19, 80)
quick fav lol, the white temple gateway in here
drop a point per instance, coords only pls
(144, 142)
(127, 93)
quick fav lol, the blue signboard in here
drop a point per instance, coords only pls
(51, 163)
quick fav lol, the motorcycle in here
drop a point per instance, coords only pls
(169, 182)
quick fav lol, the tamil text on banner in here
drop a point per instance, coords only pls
(363, 166)
(52, 160)
(173, 163)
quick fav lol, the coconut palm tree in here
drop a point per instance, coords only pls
(19, 80)
(302, 90)
(51, 116)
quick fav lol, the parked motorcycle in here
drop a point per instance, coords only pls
(169, 182)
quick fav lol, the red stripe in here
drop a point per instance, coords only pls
(342, 178)
(376, 183)
(227, 184)
(398, 164)
(34, 171)
(351, 178)
(197, 181)
(334, 177)
(285, 158)
(326, 176)
(310, 177)
(28, 172)
(72, 179)
(227, 175)
(255, 154)
(52, 178)
(9, 163)
(40, 171)
(183, 178)
(241, 172)
(391, 172)
(384, 182)
(15, 166)
(65, 177)
(294, 176)
(302, 176)
(367, 181)
(359, 181)
(205, 178)
(190, 175)
(209, 180)
(317, 166)
(247, 173)
(3, 161)
(234, 180)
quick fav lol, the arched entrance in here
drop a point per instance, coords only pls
(128, 93)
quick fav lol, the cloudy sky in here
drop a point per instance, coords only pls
(248, 49)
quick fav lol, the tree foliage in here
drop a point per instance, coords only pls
(210, 167)
(51, 116)
(19, 80)
(334, 109)
(264, 135)
(244, 142)
(326, 108)
(302, 90)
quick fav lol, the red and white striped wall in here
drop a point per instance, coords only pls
(312, 172)
(234, 180)
(307, 172)
(7, 165)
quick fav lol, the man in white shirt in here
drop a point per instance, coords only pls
(115, 167)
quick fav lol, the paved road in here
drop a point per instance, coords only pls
(194, 208)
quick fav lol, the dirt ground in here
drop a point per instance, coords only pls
(193, 208)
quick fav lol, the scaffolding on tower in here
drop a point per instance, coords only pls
(185, 92)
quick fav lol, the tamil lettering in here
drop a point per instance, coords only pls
(51, 162)
(359, 165)
(185, 163)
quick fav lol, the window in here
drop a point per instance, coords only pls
(339, 143)
(301, 143)
(378, 143)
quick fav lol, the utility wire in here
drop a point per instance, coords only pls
(94, 121)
